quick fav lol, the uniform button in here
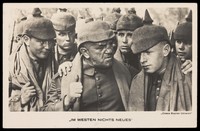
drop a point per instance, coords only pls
(95, 72)
(100, 95)
(158, 89)
(159, 81)
(97, 78)
(98, 87)
(157, 97)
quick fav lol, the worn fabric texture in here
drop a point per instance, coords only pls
(175, 93)
(22, 71)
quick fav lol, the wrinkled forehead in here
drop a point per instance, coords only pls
(101, 43)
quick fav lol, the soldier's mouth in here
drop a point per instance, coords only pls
(181, 53)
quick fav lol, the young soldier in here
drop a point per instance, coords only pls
(161, 85)
(32, 64)
(64, 25)
(183, 43)
(125, 27)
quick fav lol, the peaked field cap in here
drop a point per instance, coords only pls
(129, 22)
(147, 36)
(39, 27)
(94, 31)
(63, 21)
(184, 30)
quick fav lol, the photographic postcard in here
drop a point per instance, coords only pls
(165, 14)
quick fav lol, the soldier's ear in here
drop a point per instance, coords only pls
(84, 52)
(26, 39)
(76, 36)
(166, 49)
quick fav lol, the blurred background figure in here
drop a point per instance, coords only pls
(112, 19)
(18, 31)
(62, 9)
(132, 11)
(116, 9)
(89, 19)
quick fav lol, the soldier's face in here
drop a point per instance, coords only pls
(40, 49)
(65, 39)
(124, 40)
(152, 60)
(101, 54)
(184, 49)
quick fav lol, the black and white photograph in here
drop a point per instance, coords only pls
(99, 65)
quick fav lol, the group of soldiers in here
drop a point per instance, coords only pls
(119, 63)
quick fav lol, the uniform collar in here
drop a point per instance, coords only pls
(88, 69)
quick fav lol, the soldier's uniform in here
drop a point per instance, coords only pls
(103, 89)
(24, 69)
(183, 34)
(64, 22)
(126, 23)
(168, 90)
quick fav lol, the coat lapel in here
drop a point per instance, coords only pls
(137, 93)
(123, 79)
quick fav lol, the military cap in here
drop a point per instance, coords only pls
(63, 21)
(148, 35)
(184, 30)
(112, 19)
(38, 26)
(129, 22)
(94, 31)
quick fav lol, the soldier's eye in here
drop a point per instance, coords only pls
(121, 34)
(61, 34)
(129, 35)
(179, 41)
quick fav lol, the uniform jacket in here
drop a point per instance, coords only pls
(132, 62)
(71, 55)
(60, 87)
(22, 71)
(175, 92)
